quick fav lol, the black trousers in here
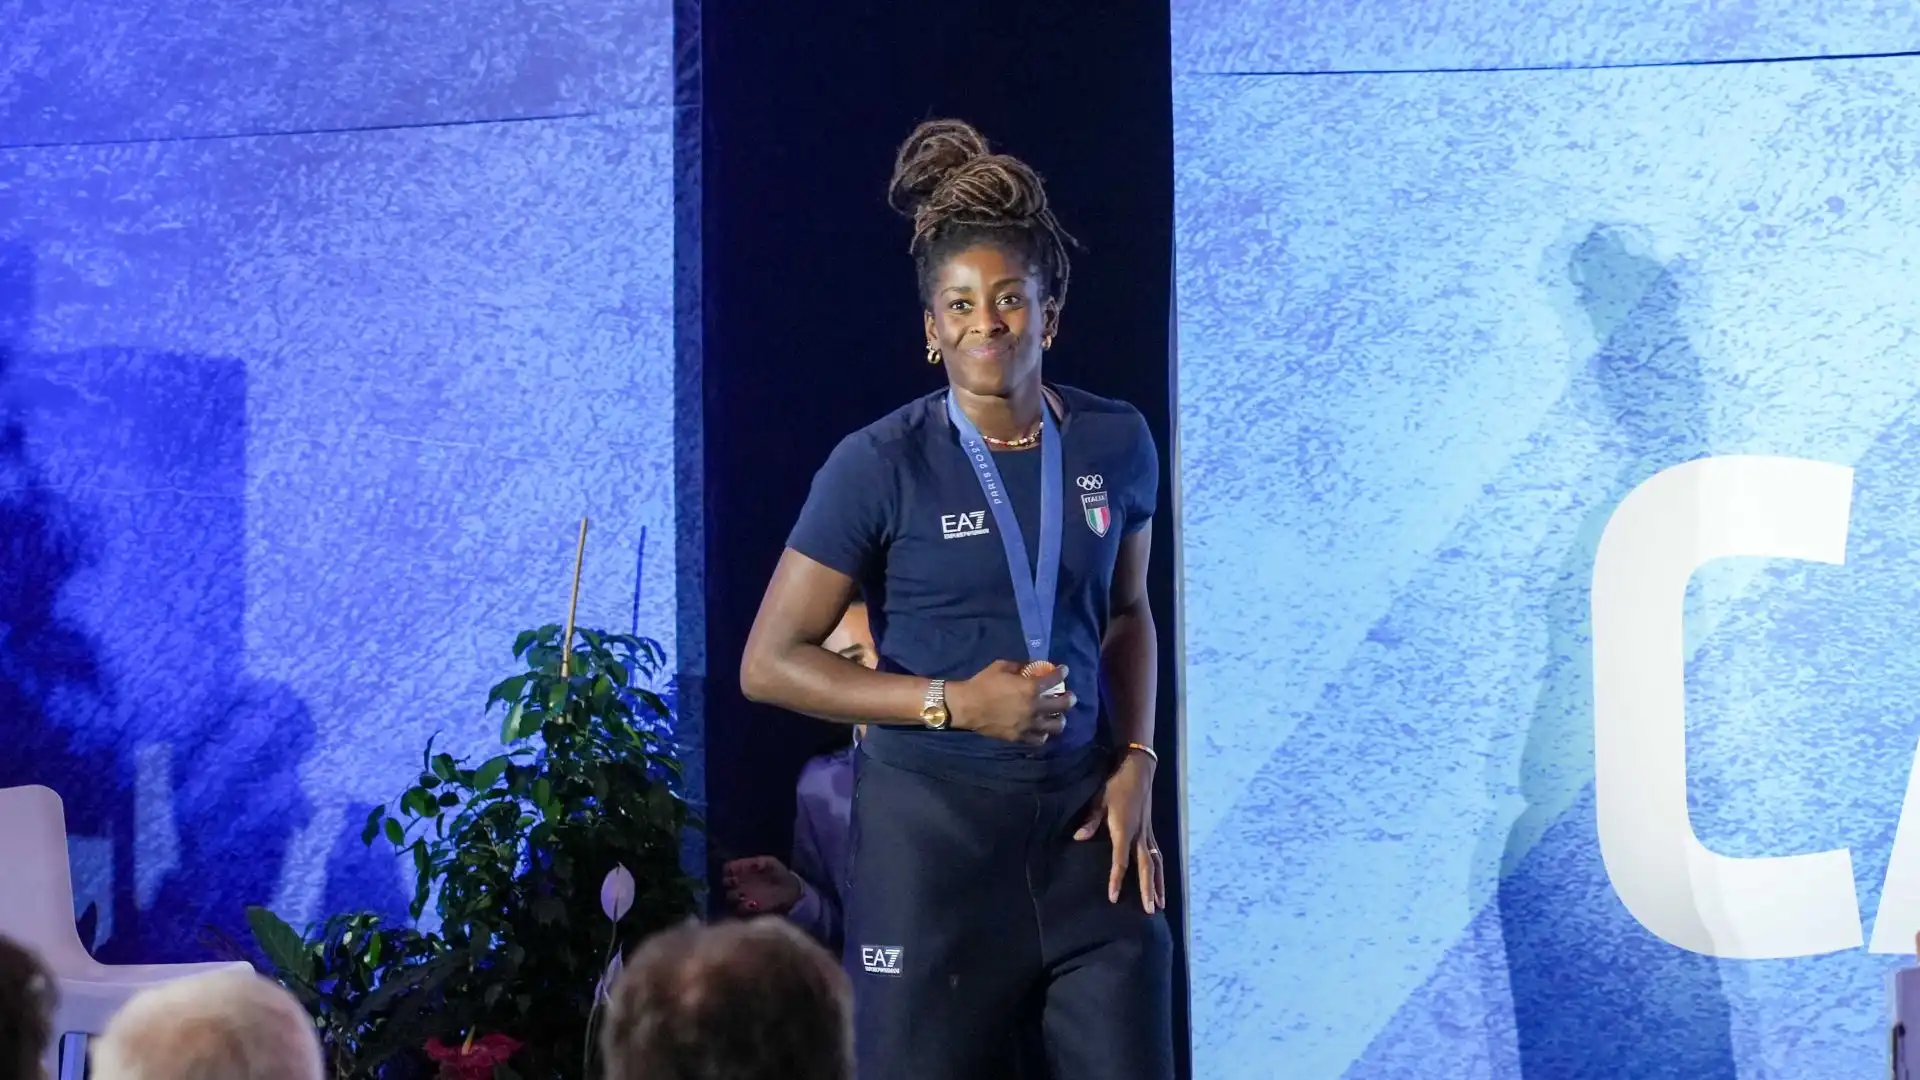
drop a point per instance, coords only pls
(980, 940)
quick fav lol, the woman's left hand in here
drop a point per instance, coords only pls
(1126, 805)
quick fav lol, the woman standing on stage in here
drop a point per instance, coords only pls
(1005, 879)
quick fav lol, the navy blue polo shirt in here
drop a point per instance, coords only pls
(898, 508)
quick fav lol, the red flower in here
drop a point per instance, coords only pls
(474, 1060)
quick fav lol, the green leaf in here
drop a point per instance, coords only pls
(395, 835)
(397, 1034)
(429, 781)
(373, 825)
(526, 638)
(444, 766)
(557, 697)
(508, 689)
(404, 982)
(487, 775)
(542, 792)
(283, 947)
(375, 943)
(449, 799)
(510, 728)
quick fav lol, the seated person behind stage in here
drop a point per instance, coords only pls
(809, 893)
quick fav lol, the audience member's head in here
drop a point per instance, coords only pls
(734, 1001)
(228, 1025)
(853, 637)
(26, 1012)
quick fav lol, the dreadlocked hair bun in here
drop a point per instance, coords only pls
(936, 150)
(955, 189)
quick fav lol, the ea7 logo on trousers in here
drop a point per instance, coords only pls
(1700, 900)
(880, 959)
(957, 526)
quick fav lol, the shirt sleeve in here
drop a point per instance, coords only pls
(1144, 491)
(812, 916)
(845, 520)
(818, 911)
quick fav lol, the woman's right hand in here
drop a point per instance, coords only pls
(1001, 703)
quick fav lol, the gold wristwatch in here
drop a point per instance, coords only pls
(934, 712)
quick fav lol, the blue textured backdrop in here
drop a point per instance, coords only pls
(1432, 329)
(1212, 36)
(300, 417)
(144, 69)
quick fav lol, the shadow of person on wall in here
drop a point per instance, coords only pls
(239, 804)
(361, 877)
(178, 766)
(1595, 994)
(50, 678)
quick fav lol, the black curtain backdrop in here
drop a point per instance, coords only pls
(812, 325)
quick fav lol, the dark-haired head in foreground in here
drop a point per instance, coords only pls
(26, 1012)
(733, 1001)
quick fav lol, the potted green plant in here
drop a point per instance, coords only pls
(513, 853)
(370, 988)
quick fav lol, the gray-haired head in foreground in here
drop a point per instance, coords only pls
(732, 1001)
(228, 1025)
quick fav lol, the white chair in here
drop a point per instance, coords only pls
(36, 910)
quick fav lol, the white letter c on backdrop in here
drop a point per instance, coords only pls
(1676, 522)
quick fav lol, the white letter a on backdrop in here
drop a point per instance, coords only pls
(1898, 919)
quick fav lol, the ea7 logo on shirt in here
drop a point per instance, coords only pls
(959, 526)
(880, 959)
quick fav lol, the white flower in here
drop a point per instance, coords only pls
(616, 892)
(605, 989)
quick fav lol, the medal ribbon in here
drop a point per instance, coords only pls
(1033, 592)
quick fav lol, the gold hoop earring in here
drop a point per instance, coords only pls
(933, 355)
